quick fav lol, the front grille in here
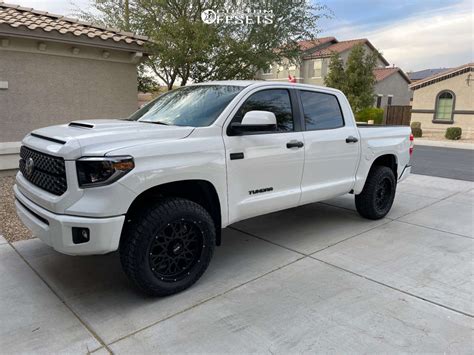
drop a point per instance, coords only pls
(43, 170)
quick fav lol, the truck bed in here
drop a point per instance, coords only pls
(366, 125)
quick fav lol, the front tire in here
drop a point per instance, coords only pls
(376, 199)
(168, 247)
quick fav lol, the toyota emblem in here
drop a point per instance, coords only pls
(29, 166)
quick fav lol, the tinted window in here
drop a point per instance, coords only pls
(321, 111)
(274, 100)
(195, 106)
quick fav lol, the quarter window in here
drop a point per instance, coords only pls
(444, 106)
(321, 111)
(274, 100)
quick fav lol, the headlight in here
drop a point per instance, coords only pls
(100, 171)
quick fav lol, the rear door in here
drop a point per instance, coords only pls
(264, 169)
(331, 146)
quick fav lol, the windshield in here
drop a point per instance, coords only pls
(195, 106)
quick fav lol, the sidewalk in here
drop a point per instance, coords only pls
(313, 279)
(444, 144)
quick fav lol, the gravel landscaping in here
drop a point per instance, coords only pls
(10, 227)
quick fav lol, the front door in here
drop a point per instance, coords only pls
(264, 169)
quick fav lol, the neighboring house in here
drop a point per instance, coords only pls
(425, 73)
(445, 99)
(391, 83)
(391, 87)
(55, 69)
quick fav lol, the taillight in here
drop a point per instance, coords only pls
(412, 143)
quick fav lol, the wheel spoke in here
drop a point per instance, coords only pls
(383, 194)
(176, 249)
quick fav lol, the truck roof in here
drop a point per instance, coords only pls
(245, 83)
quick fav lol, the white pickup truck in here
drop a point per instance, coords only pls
(159, 186)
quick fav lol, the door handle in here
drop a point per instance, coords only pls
(236, 156)
(351, 139)
(294, 144)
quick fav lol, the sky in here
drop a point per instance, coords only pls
(411, 34)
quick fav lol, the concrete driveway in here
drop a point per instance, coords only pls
(313, 279)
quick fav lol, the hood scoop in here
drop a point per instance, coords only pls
(40, 136)
(81, 124)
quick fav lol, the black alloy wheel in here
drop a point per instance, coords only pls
(383, 194)
(167, 247)
(176, 249)
(376, 198)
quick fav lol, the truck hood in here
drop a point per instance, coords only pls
(99, 137)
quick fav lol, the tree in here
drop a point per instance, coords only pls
(146, 83)
(357, 79)
(110, 13)
(360, 77)
(242, 50)
(336, 78)
(182, 47)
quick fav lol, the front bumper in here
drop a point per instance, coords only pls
(56, 229)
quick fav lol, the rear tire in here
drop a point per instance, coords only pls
(168, 247)
(376, 199)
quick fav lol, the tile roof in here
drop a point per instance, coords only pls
(468, 67)
(340, 47)
(17, 17)
(305, 45)
(383, 73)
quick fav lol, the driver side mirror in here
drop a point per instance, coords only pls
(255, 121)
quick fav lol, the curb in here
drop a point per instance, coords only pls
(443, 144)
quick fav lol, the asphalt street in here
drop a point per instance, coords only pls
(443, 162)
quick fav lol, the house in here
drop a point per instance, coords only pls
(423, 74)
(55, 69)
(444, 100)
(391, 87)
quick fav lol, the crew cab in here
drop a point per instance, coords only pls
(160, 185)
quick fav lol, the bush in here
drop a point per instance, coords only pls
(417, 132)
(453, 133)
(416, 129)
(415, 125)
(370, 113)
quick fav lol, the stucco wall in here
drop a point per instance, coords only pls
(393, 85)
(425, 99)
(46, 89)
(303, 73)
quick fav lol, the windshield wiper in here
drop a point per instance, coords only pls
(156, 122)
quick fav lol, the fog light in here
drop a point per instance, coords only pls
(80, 235)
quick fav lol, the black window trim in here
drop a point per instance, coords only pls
(295, 110)
(441, 120)
(378, 101)
(302, 120)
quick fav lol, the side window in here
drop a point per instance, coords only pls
(321, 111)
(273, 100)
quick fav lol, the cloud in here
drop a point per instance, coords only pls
(57, 7)
(426, 37)
(437, 38)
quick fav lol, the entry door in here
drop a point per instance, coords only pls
(264, 169)
(331, 148)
